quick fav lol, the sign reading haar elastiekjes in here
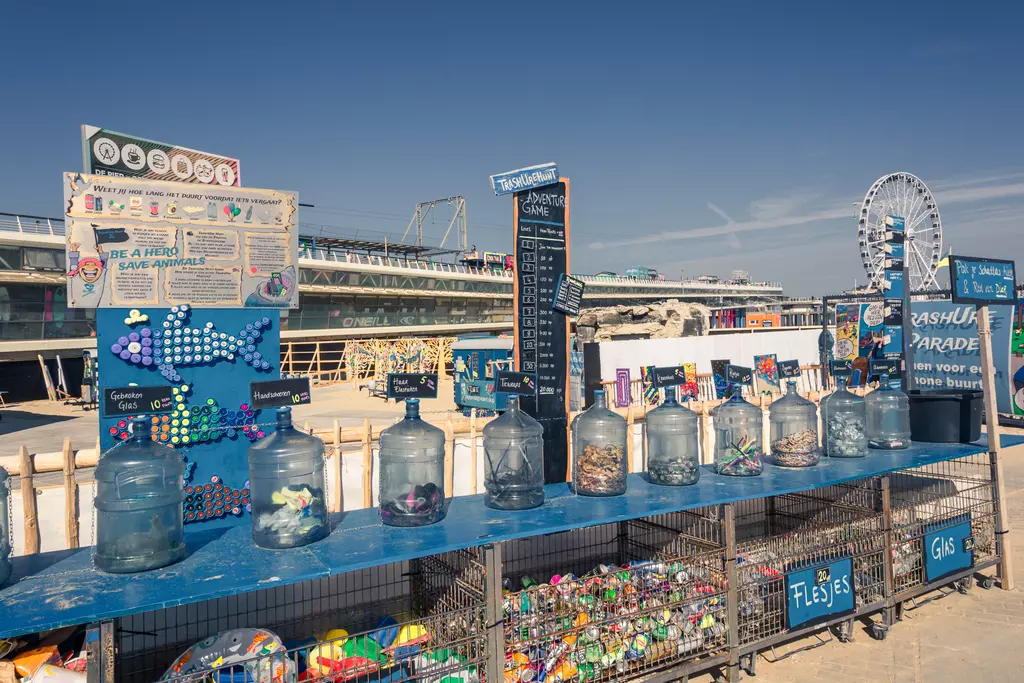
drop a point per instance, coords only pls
(138, 242)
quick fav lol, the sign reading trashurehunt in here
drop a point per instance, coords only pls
(525, 178)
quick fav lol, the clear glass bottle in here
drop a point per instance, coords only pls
(286, 487)
(794, 430)
(888, 417)
(514, 453)
(673, 447)
(737, 436)
(412, 471)
(844, 419)
(139, 505)
(599, 450)
(5, 526)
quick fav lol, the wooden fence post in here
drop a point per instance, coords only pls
(472, 448)
(28, 501)
(629, 437)
(449, 458)
(70, 495)
(339, 499)
(367, 463)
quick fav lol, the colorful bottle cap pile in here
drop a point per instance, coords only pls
(191, 425)
(214, 500)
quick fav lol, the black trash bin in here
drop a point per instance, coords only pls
(945, 416)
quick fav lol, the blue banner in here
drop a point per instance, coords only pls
(982, 281)
(895, 280)
(948, 550)
(525, 178)
(819, 593)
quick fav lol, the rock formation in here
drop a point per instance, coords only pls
(661, 320)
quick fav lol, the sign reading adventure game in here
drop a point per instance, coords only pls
(525, 178)
(279, 392)
(412, 385)
(134, 242)
(519, 383)
(948, 550)
(789, 369)
(121, 401)
(737, 374)
(568, 295)
(982, 281)
(671, 376)
(106, 152)
(819, 593)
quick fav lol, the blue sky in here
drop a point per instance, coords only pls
(700, 137)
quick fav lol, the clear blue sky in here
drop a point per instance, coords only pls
(673, 119)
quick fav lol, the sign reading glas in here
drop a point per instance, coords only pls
(525, 178)
(819, 593)
(948, 550)
(982, 281)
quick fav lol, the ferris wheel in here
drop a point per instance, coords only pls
(904, 195)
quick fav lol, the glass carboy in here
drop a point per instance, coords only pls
(412, 471)
(286, 487)
(844, 418)
(139, 501)
(673, 451)
(599, 450)
(794, 430)
(514, 453)
(737, 436)
(5, 526)
(888, 412)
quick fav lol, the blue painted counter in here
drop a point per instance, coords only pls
(57, 589)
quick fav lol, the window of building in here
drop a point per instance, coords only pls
(43, 259)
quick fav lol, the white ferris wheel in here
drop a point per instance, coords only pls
(904, 195)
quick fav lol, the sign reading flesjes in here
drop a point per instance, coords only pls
(982, 281)
(789, 369)
(279, 392)
(106, 152)
(737, 374)
(412, 385)
(525, 178)
(568, 295)
(122, 401)
(819, 593)
(670, 376)
(519, 383)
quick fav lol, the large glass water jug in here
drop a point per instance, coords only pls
(737, 436)
(888, 412)
(844, 419)
(286, 487)
(673, 447)
(514, 454)
(5, 526)
(599, 450)
(412, 471)
(794, 430)
(139, 500)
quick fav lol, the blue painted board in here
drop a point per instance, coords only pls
(51, 590)
(948, 548)
(819, 593)
(982, 281)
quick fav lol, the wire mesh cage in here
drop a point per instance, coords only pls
(940, 497)
(421, 620)
(627, 599)
(791, 532)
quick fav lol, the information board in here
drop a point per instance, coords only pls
(122, 401)
(541, 221)
(819, 593)
(789, 369)
(279, 392)
(518, 383)
(737, 374)
(568, 295)
(134, 242)
(412, 385)
(949, 549)
(982, 281)
(671, 376)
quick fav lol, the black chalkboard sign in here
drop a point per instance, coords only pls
(789, 369)
(121, 401)
(982, 281)
(279, 392)
(412, 385)
(519, 383)
(568, 295)
(887, 366)
(893, 312)
(737, 374)
(840, 368)
(671, 376)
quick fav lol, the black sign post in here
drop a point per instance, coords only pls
(121, 401)
(412, 385)
(279, 392)
(568, 295)
(540, 217)
(737, 374)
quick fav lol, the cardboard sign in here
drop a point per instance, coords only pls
(525, 178)
(568, 295)
(737, 374)
(948, 550)
(279, 392)
(789, 369)
(412, 385)
(982, 281)
(819, 593)
(669, 376)
(519, 383)
(840, 368)
(121, 401)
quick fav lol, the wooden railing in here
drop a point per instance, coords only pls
(351, 360)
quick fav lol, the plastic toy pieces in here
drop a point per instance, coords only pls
(178, 344)
(214, 500)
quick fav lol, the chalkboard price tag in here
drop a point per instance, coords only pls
(948, 549)
(518, 383)
(822, 575)
(969, 544)
(789, 369)
(412, 385)
(279, 392)
(121, 401)
(840, 368)
(737, 374)
(820, 593)
(982, 281)
(568, 295)
(671, 376)
(886, 366)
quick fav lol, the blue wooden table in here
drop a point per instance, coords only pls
(61, 588)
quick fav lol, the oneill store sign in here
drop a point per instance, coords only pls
(384, 321)
(525, 178)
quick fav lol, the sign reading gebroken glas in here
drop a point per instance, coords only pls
(138, 242)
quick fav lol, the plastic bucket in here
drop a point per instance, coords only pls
(945, 416)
